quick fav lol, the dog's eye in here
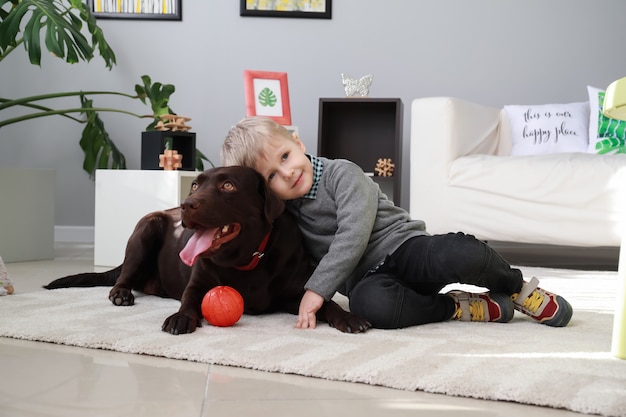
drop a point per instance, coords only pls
(228, 186)
(194, 186)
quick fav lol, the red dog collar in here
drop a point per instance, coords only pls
(256, 256)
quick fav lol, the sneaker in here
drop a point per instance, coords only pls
(482, 307)
(543, 306)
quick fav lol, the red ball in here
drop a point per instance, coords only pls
(222, 306)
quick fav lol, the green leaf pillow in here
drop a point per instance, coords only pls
(606, 135)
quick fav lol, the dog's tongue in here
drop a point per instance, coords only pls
(199, 243)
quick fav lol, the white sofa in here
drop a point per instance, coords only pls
(463, 179)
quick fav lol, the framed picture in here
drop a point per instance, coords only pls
(137, 9)
(267, 94)
(310, 9)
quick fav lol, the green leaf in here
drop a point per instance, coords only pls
(611, 145)
(159, 96)
(10, 26)
(100, 151)
(97, 35)
(62, 24)
(31, 38)
(267, 98)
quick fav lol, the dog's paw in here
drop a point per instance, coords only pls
(180, 323)
(350, 323)
(121, 296)
(343, 320)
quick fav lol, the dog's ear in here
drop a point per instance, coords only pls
(274, 206)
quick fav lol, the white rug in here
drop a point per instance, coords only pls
(570, 368)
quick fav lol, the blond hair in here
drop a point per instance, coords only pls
(246, 141)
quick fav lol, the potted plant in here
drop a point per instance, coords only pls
(61, 24)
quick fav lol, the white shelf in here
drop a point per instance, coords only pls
(125, 196)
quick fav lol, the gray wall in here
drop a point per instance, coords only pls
(494, 52)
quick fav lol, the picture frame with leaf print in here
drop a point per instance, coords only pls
(267, 94)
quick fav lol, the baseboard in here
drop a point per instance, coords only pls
(556, 256)
(77, 234)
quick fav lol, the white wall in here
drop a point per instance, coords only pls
(493, 52)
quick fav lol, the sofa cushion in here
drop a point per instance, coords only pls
(560, 199)
(606, 135)
(548, 128)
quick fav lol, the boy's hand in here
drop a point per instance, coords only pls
(309, 305)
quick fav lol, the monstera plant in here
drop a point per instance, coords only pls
(61, 24)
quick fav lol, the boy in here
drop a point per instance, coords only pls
(366, 248)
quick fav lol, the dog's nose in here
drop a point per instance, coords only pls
(190, 203)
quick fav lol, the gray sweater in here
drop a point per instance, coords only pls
(349, 228)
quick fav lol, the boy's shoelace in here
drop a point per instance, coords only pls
(532, 302)
(476, 310)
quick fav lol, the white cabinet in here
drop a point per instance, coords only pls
(125, 196)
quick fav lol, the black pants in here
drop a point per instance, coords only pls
(404, 290)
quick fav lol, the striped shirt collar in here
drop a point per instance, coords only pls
(318, 167)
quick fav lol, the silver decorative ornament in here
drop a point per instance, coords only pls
(354, 87)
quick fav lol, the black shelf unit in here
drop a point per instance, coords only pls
(154, 143)
(363, 130)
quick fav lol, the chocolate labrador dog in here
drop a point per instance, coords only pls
(230, 230)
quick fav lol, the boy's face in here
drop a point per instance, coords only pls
(285, 167)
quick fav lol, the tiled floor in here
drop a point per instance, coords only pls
(40, 379)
